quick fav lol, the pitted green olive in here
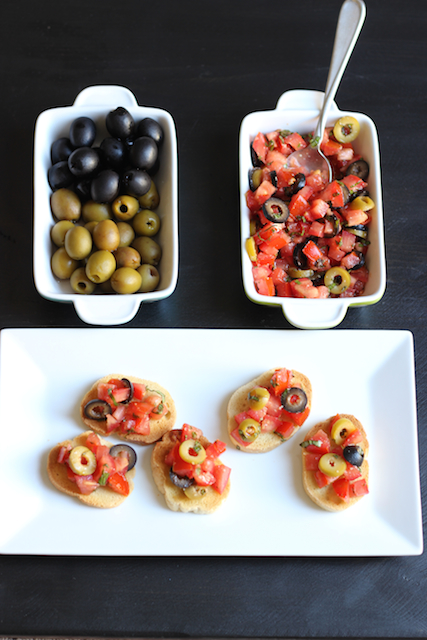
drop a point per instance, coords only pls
(65, 205)
(127, 234)
(125, 207)
(125, 280)
(146, 223)
(96, 211)
(148, 249)
(82, 461)
(106, 235)
(62, 265)
(100, 266)
(149, 278)
(78, 243)
(127, 257)
(332, 465)
(59, 231)
(337, 280)
(80, 283)
(151, 199)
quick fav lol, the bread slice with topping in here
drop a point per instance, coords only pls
(278, 402)
(335, 469)
(143, 416)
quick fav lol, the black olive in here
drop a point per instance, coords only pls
(129, 384)
(361, 263)
(354, 454)
(105, 187)
(136, 182)
(294, 400)
(300, 259)
(358, 194)
(59, 175)
(113, 153)
(82, 132)
(335, 223)
(152, 129)
(83, 161)
(180, 481)
(345, 193)
(144, 153)
(256, 161)
(124, 449)
(97, 409)
(273, 177)
(255, 176)
(359, 230)
(297, 184)
(61, 149)
(82, 188)
(359, 168)
(275, 210)
(120, 123)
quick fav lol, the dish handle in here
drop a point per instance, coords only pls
(107, 310)
(101, 95)
(328, 313)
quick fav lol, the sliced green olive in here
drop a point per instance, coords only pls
(195, 491)
(82, 461)
(364, 203)
(346, 129)
(250, 247)
(258, 398)
(300, 273)
(337, 280)
(341, 429)
(332, 465)
(249, 429)
(255, 178)
(294, 400)
(192, 451)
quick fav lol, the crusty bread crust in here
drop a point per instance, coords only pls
(102, 497)
(325, 497)
(175, 497)
(239, 402)
(157, 427)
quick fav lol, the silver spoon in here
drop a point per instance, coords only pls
(350, 21)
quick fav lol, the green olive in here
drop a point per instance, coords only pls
(65, 205)
(127, 234)
(146, 223)
(62, 265)
(249, 429)
(106, 235)
(148, 249)
(346, 129)
(258, 397)
(80, 283)
(127, 257)
(59, 231)
(125, 280)
(78, 243)
(96, 211)
(332, 465)
(337, 280)
(300, 273)
(341, 429)
(364, 203)
(192, 451)
(100, 266)
(125, 207)
(151, 199)
(90, 226)
(149, 278)
(82, 461)
(195, 491)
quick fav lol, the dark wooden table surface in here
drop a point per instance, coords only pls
(209, 64)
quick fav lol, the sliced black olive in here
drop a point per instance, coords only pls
(361, 263)
(354, 454)
(358, 193)
(126, 451)
(294, 400)
(129, 384)
(180, 481)
(256, 161)
(255, 175)
(297, 184)
(335, 223)
(300, 259)
(359, 168)
(345, 193)
(273, 177)
(97, 409)
(275, 210)
(359, 230)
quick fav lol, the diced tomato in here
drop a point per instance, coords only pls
(121, 394)
(311, 460)
(264, 192)
(138, 390)
(172, 455)
(335, 252)
(104, 468)
(361, 274)
(280, 380)
(141, 425)
(236, 435)
(354, 437)
(203, 478)
(215, 449)
(342, 488)
(85, 484)
(284, 177)
(317, 229)
(64, 454)
(312, 251)
(257, 415)
(324, 445)
(333, 193)
(352, 472)
(119, 483)
(330, 147)
(353, 183)
(359, 488)
(284, 290)
(183, 468)
(92, 442)
(304, 288)
(285, 429)
(319, 208)
(274, 404)
(260, 146)
(322, 479)
(298, 205)
(354, 216)
(295, 141)
(270, 423)
(222, 474)
(275, 156)
(350, 260)
(297, 418)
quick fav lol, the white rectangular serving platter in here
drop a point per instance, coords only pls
(45, 372)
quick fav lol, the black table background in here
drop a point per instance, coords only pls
(209, 64)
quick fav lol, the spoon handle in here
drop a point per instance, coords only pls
(350, 21)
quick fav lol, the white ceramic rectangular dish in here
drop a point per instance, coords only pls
(201, 369)
(298, 111)
(95, 102)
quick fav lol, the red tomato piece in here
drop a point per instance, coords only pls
(312, 251)
(285, 429)
(280, 380)
(260, 146)
(222, 475)
(296, 418)
(86, 484)
(119, 483)
(203, 478)
(304, 288)
(324, 443)
(270, 423)
(342, 488)
(298, 205)
(354, 437)
(359, 488)
(311, 460)
(215, 449)
(352, 472)
(264, 192)
(104, 468)
(295, 141)
(322, 479)
(236, 435)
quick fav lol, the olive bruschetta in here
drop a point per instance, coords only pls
(93, 470)
(187, 471)
(132, 409)
(335, 469)
(269, 410)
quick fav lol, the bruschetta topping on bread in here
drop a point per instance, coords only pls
(187, 470)
(335, 468)
(93, 469)
(133, 409)
(269, 410)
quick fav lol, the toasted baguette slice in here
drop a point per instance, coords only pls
(157, 427)
(326, 496)
(175, 497)
(102, 497)
(239, 402)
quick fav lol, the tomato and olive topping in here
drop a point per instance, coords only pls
(294, 400)
(301, 227)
